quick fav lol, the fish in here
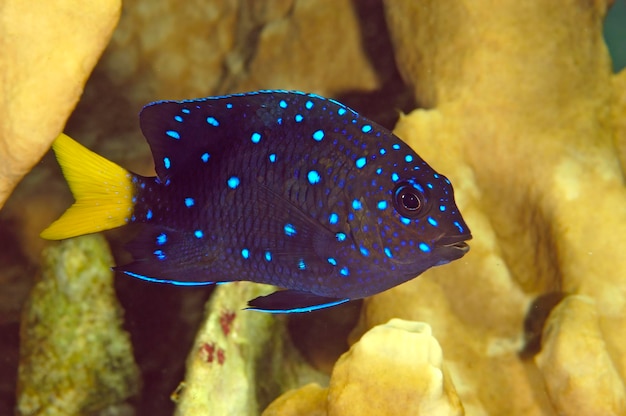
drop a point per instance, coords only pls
(278, 187)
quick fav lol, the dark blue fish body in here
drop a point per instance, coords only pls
(289, 189)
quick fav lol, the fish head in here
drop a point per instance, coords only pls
(434, 221)
(412, 220)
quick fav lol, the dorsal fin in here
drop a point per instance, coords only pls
(180, 132)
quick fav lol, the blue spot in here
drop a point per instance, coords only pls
(160, 254)
(314, 177)
(382, 151)
(429, 185)
(356, 204)
(394, 177)
(309, 105)
(442, 208)
(405, 220)
(279, 120)
(205, 157)
(333, 218)
(424, 247)
(245, 253)
(396, 146)
(340, 236)
(298, 118)
(166, 162)
(344, 271)
(382, 205)
(149, 214)
(290, 230)
(458, 226)
(272, 157)
(173, 134)
(268, 256)
(379, 171)
(212, 121)
(388, 252)
(360, 162)
(301, 264)
(436, 175)
(341, 111)
(233, 182)
(364, 251)
(282, 104)
(332, 261)
(198, 233)
(366, 128)
(185, 110)
(161, 239)
(408, 158)
(256, 137)
(229, 105)
(178, 118)
(318, 135)
(432, 221)
(189, 202)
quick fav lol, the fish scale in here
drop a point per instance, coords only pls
(285, 188)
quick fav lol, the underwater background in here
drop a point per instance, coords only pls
(518, 105)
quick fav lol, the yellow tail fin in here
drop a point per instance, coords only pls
(103, 192)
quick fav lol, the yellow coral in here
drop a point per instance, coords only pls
(42, 73)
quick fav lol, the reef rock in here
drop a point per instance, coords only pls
(74, 356)
(241, 359)
(47, 52)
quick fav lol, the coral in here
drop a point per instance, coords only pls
(74, 356)
(308, 400)
(241, 359)
(47, 54)
(575, 359)
(395, 368)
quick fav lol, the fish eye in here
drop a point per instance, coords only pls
(409, 199)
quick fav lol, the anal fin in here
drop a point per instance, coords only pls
(167, 255)
(292, 301)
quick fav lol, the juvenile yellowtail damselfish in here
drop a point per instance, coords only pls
(277, 187)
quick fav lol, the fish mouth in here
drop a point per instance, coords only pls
(461, 246)
(455, 246)
(454, 242)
